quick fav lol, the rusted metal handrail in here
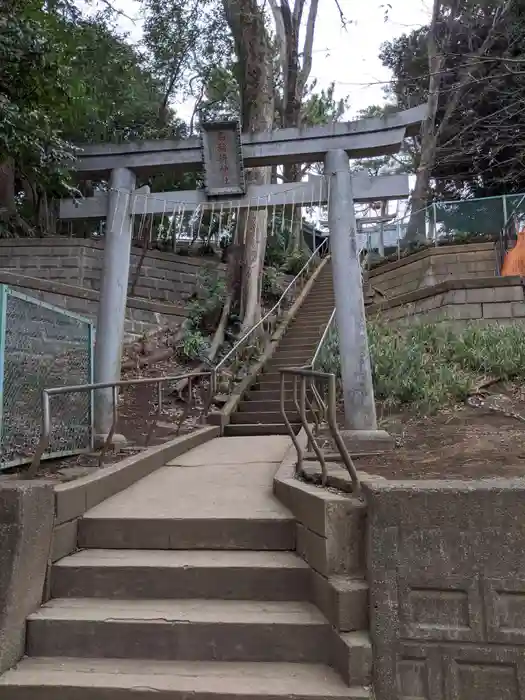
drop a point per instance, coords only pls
(268, 323)
(310, 379)
(115, 386)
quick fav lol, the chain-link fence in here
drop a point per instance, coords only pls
(446, 223)
(42, 346)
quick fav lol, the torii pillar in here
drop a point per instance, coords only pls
(361, 431)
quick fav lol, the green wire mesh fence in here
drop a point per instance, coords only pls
(42, 346)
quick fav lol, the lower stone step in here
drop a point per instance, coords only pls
(265, 418)
(230, 575)
(238, 429)
(180, 630)
(114, 679)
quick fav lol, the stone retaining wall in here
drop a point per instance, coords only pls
(164, 277)
(433, 266)
(481, 300)
(447, 589)
(142, 316)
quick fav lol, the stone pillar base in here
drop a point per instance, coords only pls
(367, 441)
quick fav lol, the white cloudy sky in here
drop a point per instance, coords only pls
(347, 57)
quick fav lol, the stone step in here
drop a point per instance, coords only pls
(312, 318)
(179, 630)
(300, 352)
(105, 679)
(282, 360)
(322, 305)
(131, 574)
(187, 533)
(239, 429)
(257, 417)
(257, 395)
(252, 405)
(302, 341)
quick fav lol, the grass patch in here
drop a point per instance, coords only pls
(429, 366)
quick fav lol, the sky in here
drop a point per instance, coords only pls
(348, 57)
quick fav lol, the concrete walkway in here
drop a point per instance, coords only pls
(198, 499)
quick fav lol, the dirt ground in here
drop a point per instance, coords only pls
(483, 439)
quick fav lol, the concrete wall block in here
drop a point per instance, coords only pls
(498, 310)
(26, 525)
(518, 309)
(447, 588)
(432, 302)
(495, 294)
(145, 292)
(342, 600)
(463, 311)
(455, 296)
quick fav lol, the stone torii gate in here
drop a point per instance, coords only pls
(334, 144)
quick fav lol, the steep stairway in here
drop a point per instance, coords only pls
(187, 585)
(259, 412)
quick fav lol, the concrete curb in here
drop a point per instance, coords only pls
(331, 539)
(222, 418)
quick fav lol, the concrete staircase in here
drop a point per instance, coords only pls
(187, 584)
(259, 412)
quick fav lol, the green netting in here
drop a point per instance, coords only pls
(469, 218)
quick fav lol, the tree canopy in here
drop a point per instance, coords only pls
(480, 89)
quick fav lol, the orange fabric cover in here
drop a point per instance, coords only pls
(514, 263)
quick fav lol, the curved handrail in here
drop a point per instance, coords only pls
(272, 311)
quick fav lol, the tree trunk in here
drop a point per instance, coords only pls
(295, 76)
(247, 23)
(416, 229)
(7, 189)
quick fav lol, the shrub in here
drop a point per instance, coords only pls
(271, 287)
(429, 366)
(295, 262)
(193, 346)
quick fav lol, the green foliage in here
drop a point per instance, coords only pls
(207, 301)
(66, 78)
(271, 288)
(295, 262)
(193, 346)
(190, 47)
(33, 84)
(428, 366)
(204, 310)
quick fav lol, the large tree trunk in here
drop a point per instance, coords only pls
(295, 76)
(247, 23)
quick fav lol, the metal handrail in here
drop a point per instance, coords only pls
(327, 411)
(269, 314)
(323, 339)
(114, 386)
